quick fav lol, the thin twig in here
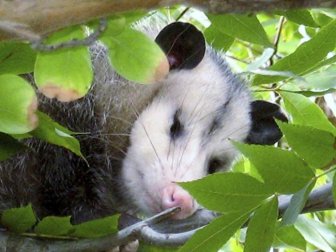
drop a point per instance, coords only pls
(89, 40)
(277, 39)
(182, 13)
(318, 200)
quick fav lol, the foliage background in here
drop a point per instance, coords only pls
(287, 57)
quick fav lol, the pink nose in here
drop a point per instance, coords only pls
(175, 196)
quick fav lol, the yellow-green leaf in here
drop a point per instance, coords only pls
(136, 57)
(18, 105)
(64, 74)
(18, 220)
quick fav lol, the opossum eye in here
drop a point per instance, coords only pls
(214, 165)
(177, 127)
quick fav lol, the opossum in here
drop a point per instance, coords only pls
(139, 140)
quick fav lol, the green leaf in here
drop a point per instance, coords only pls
(97, 228)
(297, 203)
(65, 74)
(9, 146)
(218, 39)
(334, 189)
(19, 220)
(282, 171)
(315, 146)
(18, 104)
(305, 57)
(142, 62)
(305, 112)
(300, 17)
(16, 58)
(289, 236)
(115, 25)
(242, 191)
(262, 224)
(313, 93)
(260, 61)
(322, 79)
(244, 27)
(212, 237)
(323, 63)
(54, 225)
(51, 132)
(244, 165)
(316, 233)
(321, 18)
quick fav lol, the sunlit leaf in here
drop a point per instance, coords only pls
(315, 146)
(312, 93)
(301, 17)
(142, 62)
(334, 189)
(227, 192)
(305, 57)
(18, 104)
(244, 27)
(16, 58)
(282, 170)
(51, 132)
(322, 79)
(326, 62)
(65, 74)
(305, 112)
(316, 233)
(218, 39)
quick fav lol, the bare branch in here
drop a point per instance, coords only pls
(155, 231)
(42, 17)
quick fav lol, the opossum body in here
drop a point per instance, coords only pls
(140, 140)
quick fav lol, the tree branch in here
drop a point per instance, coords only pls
(39, 17)
(153, 230)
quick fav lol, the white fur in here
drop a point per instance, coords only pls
(154, 160)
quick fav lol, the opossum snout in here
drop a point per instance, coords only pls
(174, 196)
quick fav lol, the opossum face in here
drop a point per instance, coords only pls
(185, 134)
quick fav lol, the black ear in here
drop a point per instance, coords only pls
(264, 129)
(183, 44)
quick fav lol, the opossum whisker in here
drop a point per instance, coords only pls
(173, 158)
(118, 149)
(115, 134)
(225, 138)
(234, 131)
(147, 135)
(101, 133)
(194, 125)
(120, 119)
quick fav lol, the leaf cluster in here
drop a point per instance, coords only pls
(289, 57)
